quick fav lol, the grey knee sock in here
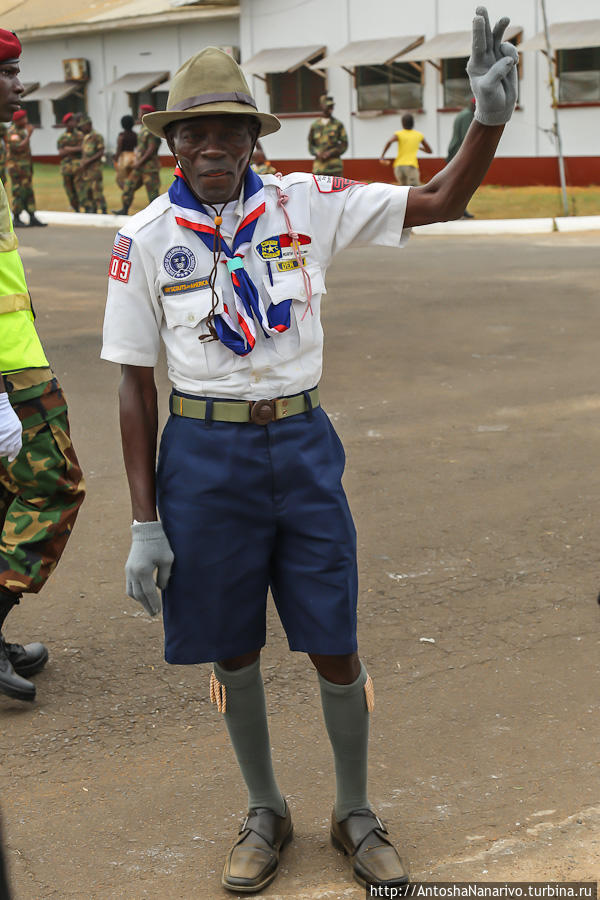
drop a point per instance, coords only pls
(347, 721)
(246, 720)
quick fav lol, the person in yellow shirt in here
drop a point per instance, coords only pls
(406, 164)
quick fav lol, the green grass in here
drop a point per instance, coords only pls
(490, 202)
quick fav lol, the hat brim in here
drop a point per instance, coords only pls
(156, 122)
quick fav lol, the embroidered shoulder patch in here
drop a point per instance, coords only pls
(122, 246)
(333, 184)
(119, 268)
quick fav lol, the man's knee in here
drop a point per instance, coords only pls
(239, 662)
(343, 669)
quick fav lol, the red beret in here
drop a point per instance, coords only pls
(19, 114)
(66, 118)
(147, 108)
(10, 46)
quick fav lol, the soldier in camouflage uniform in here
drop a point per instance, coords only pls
(2, 153)
(69, 150)
(146, 169)
(260, 163)
(20, 168)
(89, 176)
(41, 485)
(327, 140)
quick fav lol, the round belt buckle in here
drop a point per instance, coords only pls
(262, 412)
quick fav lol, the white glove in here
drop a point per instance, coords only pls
(11, 430)
(150, 550)
(492, 70)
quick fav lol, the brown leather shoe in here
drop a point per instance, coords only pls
(363, 837)
(253, 861)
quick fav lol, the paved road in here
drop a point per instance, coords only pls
(463, 378)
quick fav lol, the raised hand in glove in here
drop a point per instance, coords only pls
(150, 550)
(492, 70)
(11, 431)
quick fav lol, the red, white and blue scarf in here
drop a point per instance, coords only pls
(236, 328)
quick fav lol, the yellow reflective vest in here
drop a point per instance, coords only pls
(20, 346)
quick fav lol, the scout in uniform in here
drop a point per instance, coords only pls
(89, 176)
(146, 167)
(227, 270)
(327, 140)
(20, 168)
(41, 485)
(69, 151)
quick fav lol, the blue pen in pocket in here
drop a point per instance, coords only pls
(270, 272)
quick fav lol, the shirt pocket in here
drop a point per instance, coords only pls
(291, 285)
(185, 316)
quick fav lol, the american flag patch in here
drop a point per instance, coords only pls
(122, 246)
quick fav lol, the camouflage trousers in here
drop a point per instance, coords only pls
(21, 181)
(40, 491)
(135, 180)
(70, 186)
(333, 166)
(91, 189)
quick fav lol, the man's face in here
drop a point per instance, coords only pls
(213, 154)
(85, 127)
(11, 90)
(327, 107)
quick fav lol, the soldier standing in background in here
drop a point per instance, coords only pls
(146, 168)
(260, 163)
(2, 153)
(69, 150)
(327, 140)
(20, 168)
(89, 178)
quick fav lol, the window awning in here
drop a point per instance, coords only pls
(371, 53)
(567, 36)
(135, 82)
(55, 90)
(29, 87)
(451, 45)
(282, 59)
(163, 86)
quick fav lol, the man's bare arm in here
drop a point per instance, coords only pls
(447, 195)
(493, 76)
(138, 411)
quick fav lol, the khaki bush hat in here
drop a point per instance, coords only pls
(209, 84)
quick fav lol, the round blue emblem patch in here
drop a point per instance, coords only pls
(179, 262)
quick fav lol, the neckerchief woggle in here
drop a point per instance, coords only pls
(236, 328)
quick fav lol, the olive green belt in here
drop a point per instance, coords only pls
(260, 412)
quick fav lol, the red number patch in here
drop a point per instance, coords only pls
(119, 269)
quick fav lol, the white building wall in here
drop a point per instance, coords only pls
(111, 55)
(280, 23)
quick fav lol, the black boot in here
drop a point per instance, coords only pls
(27, 660)
(124, 211)
(11, 684)
(35, 221)
(18, 222)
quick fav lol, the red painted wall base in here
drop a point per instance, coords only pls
(514, 171)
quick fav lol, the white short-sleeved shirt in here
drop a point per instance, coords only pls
(158, 285)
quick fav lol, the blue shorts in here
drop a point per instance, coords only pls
(247, 507)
